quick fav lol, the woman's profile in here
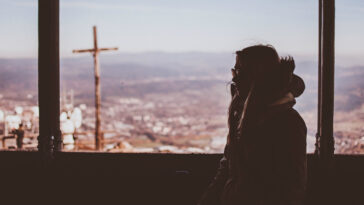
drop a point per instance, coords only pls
(265, 155)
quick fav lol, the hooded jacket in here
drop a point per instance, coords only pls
(273, 168)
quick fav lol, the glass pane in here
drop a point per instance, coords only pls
(18, 75)
(349, 84)
(166, 88)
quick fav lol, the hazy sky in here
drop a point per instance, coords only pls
(188, 25)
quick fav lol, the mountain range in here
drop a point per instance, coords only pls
(135, 74)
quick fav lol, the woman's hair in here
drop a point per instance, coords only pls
(260, 77)
(260, 65)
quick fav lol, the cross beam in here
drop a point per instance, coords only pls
(95, 52)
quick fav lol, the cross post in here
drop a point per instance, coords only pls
(95, 52)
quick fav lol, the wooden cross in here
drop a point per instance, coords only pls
(95, 52)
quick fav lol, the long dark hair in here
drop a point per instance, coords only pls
(260, 77)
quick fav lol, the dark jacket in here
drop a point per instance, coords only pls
(272, 169)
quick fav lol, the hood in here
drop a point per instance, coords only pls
(297, 86)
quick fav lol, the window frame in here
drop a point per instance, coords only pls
(50, 136)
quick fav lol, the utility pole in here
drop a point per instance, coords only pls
(95, 52)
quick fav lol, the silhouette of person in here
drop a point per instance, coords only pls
(264, 159)
(19, 136)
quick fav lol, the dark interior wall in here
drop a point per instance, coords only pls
(109, 178)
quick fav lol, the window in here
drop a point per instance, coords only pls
(349, 86)
(166, 89)
(18, 74)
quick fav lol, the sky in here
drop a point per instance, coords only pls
(183, 26)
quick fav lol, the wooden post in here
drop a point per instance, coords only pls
(98, 136)
(325, 140)
(327, 70)
(50, 137)
(95, 52)
(319, 102)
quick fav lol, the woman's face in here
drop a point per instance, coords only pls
(236, 72)
(237, 68)
(241, 78)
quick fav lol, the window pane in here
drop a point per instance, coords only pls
(349, 84)
(166, 89)
(18, 74)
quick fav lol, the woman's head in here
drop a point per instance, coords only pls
(261, 66)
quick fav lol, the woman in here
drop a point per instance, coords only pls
(265, 156)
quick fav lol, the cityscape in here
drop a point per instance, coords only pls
(160, 102)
